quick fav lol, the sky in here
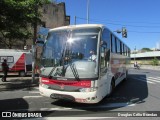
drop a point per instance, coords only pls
(140, 17)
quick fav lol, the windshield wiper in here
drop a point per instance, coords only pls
(50, 74)
(72, 66)
(74, 71)
(58, 72)
(62, 59)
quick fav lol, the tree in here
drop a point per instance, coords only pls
(155, 61)
(146, 49)
(16, 19)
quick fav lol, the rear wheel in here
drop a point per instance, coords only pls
(126, 76)
(22, 73)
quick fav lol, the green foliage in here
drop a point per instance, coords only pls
(146, 49)
(16, 16)
(155, 61)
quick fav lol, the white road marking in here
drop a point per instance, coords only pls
(34, 92)
(154, 80)
(32, 96)
(154, 77)
(37, 88)
(52, 109)
(144, 80)
(113, 105)
(150, 79)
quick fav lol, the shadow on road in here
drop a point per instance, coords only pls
(15, 83)
(129, 92)
(13, 104)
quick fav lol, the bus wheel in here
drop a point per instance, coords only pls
(112, 86)
(125, 79)
(22, 73)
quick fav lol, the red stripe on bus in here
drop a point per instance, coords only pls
(20, 64)
(81, 83)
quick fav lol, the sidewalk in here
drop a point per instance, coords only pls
(149, 67)
(18, 83)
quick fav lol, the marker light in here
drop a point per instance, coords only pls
(88, 89)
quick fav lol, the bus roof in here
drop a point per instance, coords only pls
(78, 26)
(86, 26)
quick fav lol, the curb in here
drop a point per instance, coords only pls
(147, 67)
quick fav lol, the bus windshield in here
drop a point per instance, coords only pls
(71, 53)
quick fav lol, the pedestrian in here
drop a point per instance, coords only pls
(5, 69)
(136, 65)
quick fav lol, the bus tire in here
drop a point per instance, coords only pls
(112, 86)
(22, 73)
(125, 79)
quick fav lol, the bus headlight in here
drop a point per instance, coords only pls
(88, 89)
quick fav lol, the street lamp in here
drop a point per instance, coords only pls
(34, 40)
(118, 31)
(87, 11)
(123, 31)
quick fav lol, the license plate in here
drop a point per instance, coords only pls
(57, 96)
(65, 97)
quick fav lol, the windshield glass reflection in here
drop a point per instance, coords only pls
(71, 53)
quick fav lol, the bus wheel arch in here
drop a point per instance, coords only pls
(126, 75)
(112, 86)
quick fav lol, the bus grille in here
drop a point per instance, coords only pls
(64, 97)
(64, 88)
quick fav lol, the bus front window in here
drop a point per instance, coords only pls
(71, 53)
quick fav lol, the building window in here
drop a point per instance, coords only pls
(9, 59)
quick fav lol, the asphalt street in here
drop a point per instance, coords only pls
(139, 94)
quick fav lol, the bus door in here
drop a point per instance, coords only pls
(104, 59)
(104, 53)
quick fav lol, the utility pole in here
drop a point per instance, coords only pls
(87, 11)
(34, 40)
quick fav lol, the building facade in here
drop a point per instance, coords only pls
(54, 15)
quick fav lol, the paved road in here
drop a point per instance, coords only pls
(139, 93)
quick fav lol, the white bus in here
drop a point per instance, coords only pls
(82, 63)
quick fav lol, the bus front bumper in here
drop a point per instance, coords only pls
(80, 97)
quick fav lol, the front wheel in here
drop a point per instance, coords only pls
(125, 79)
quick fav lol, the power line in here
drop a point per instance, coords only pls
(151, 32)
(144, 22)
(111, 23)
(156, 32)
